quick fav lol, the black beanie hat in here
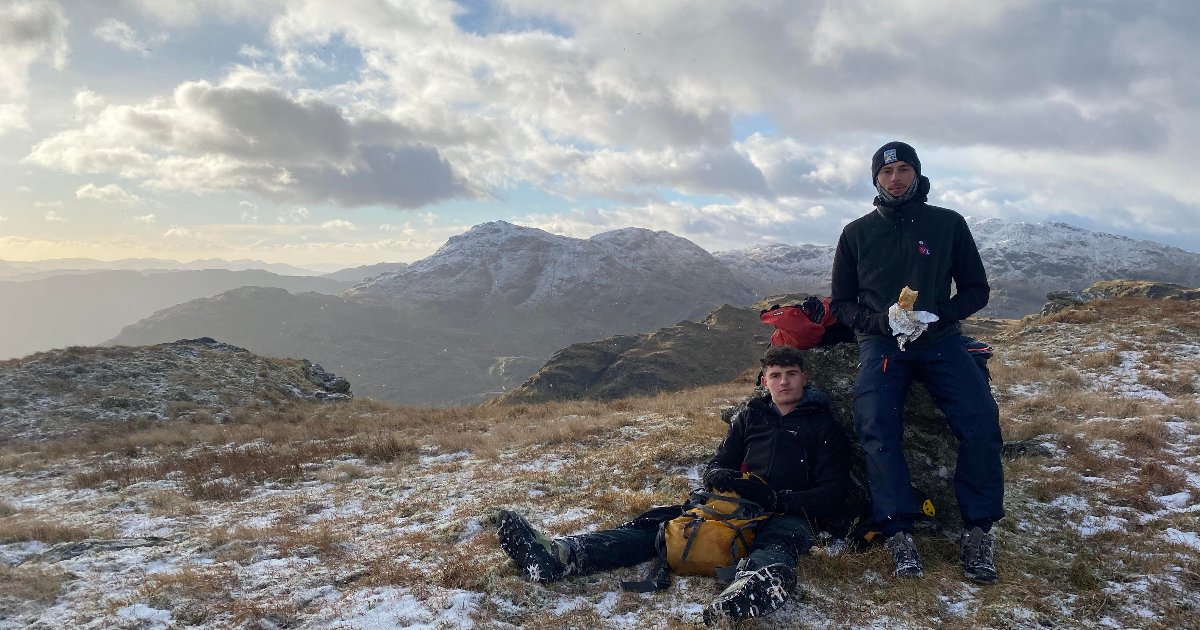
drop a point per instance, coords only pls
(894, 151)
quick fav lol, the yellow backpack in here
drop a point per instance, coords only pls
(715, 530)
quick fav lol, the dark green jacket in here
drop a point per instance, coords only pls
(916, 245)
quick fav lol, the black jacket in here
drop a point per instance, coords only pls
(804, 455)
(916, 245)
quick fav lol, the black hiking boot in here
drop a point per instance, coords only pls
(540, 559)
(752, 594)
(976, 556)
(904, 555)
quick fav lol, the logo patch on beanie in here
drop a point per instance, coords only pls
(889, 156)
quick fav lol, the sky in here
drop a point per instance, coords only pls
(340, 133)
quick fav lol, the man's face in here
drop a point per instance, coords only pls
(896, 177)
(786, 383)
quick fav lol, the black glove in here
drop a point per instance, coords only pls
(720, 479)
(878, 323)
(757, 491)
(872, 324)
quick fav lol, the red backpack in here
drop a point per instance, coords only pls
(801, 325)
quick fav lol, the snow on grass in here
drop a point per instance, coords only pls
(1191, 539)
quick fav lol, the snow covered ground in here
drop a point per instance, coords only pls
(1103, 527)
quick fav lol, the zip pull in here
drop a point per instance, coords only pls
(885, 360)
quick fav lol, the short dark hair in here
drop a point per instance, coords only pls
(782, 356)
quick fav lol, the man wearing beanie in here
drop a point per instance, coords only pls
(905, 242)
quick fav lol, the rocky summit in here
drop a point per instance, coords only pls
(541, 288)
(65, 392)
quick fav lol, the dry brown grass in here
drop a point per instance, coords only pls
(45, 529)
(30, 583)
(1101, 359)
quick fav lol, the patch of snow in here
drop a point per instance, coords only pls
(144, 613)
(427, 460)
(141, 526)
(1177, 501)
(1191, 539)
(1092, 525)
(1070, 503)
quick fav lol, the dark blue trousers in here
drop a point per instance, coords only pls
(783, 538)
(961, 392)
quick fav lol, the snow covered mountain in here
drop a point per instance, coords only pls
(524, 281)
(1024, 261)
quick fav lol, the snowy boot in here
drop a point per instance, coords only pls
(976, 556)
(752, 593)
(540, 559)
(904, 555)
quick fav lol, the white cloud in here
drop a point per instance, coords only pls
(24, 190)
(177, 232)
(110, 193)
(211, 138)
(12, 116)
(645, 102)
(337, 224)
(148, 219)
(3, 218)
(29, 32)
(54, 217)
(249, 212)
(48, 204)
(295, 215)
(87, 100)
(125, 37)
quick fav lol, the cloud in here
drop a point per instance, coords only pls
(259, 140)
(53, 217)
(110, 193)
(148, 219)
(3, 218)
(338, 224)
(12, 116)
(643, 102)
(29, 32)
(295, 215)
(177, 232)
(87, 100)
(125, 37)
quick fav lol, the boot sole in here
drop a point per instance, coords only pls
(518, 539)
(773, 599)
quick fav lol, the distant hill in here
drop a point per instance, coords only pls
(364, 272)
(71, 310)
(66, 392)
(386, 354)
(549, 291)
(1024, 261)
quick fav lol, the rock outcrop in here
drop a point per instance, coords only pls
(65, 392)
(688, 354)
(1108, 289)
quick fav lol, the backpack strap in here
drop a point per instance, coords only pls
(726, 574)
(659, 576)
